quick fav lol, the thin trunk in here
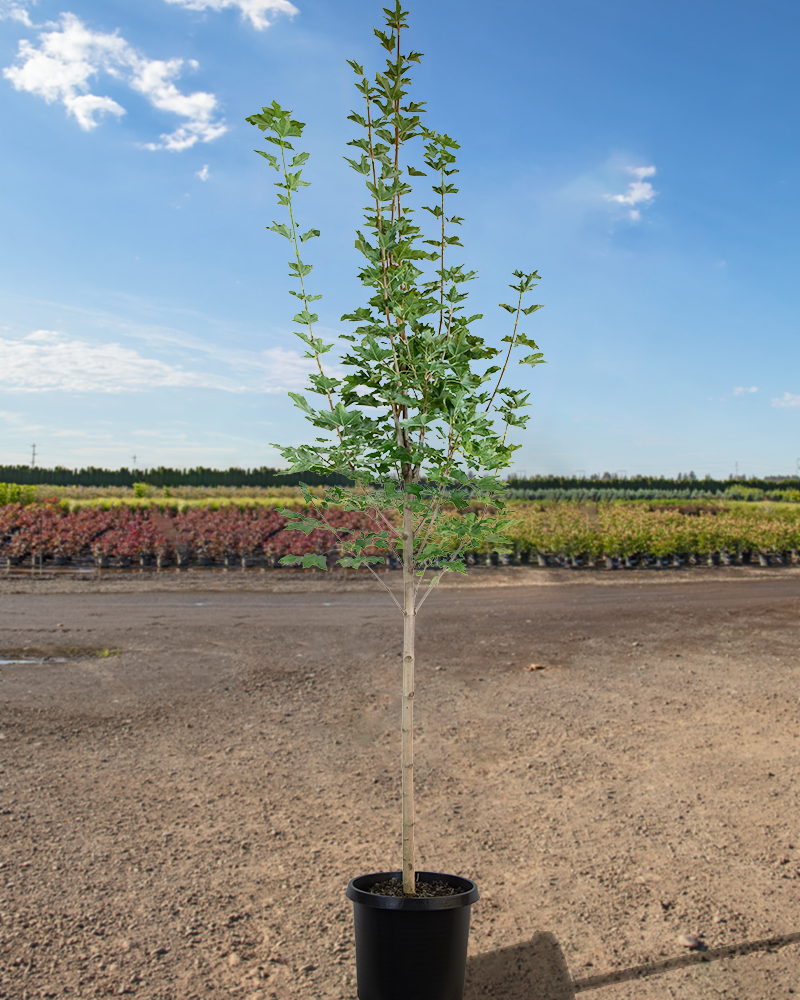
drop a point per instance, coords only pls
(407, 711)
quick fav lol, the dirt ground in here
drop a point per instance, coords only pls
(179, 819)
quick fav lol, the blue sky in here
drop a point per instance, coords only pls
(643, 157)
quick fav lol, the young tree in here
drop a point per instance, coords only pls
(412, 420)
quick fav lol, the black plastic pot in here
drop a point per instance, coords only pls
(411, 948)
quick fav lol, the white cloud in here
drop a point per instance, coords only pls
(786, 401)
(71, 55)
(48, 361)
(203, 173)
(740, 390)
(639, 191)
(255, 10)
(284, 369)
(16, 10)
(18, 421)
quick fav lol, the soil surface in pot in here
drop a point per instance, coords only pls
(394, 887)
(179, 821)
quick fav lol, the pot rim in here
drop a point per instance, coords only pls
(469, 894)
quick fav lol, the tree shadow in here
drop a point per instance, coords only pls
(537, 969)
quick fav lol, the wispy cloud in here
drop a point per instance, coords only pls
(48, 361)
(16, 10)
(203, 173)
(71, 55)
(255, 10)
(742, 390)
(786, 401)
(18, 421)
(639, 191)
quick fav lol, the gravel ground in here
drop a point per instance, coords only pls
(179, 818)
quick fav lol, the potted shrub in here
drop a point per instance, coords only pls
(412, 424)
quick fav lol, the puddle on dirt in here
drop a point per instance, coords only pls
(21, 655)
(58, 659)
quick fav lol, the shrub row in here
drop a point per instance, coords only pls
(605, 494)
(628, 530)
(125, 534)
(228, 534)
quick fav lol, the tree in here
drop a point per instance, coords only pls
(413, 420)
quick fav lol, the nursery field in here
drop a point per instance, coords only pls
(199, 763)
(249, 531)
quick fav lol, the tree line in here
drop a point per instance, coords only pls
(26, 475)
(160, 476)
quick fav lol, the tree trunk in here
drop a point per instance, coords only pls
(407, 711)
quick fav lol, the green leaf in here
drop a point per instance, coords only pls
(273, 160)
(279, 142)
(300, 402)
(356, 562)
(508, 308)
(361, 166)
(416, 173)
(309, 235)
(310, 560)
(281, 230)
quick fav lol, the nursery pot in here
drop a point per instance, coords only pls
(411, 947)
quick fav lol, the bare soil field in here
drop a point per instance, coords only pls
(203, 761)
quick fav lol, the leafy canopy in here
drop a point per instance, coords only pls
(412, 411)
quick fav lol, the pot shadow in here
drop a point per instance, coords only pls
(537, 969)
(533, 970)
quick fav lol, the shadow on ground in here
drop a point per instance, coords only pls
(537, 969)
(533, 970)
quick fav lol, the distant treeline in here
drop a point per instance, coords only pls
(645, 486)
(27, 476)
(649, 487)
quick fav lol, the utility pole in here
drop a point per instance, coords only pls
(33, 458)
(134, 461)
